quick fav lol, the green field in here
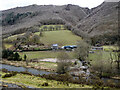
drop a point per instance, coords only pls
(13, 37)
(7, 46)
(110, 48)
(42, 54)
(60, 37)
(101, 55)
(38, 81)
(53, 54)
(103, 59)
(63, 37)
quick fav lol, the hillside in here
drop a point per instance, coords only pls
(102, 20)
(55, 35)
(35, 15)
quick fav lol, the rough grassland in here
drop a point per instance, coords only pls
(13, 37)
(38, 81)
(48, 66)
(7, 46)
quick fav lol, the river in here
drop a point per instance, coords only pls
(39, 72)
(23, 69)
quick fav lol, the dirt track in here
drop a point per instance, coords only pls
(53, 60)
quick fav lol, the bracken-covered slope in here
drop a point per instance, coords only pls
(102, 20)
(24, 17)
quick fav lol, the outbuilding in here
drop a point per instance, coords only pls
(54, 46)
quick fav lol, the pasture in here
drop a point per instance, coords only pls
(43, 54)
(63, 37)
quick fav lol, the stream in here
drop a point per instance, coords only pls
(23, 69)
(39, 72)
(11, 85)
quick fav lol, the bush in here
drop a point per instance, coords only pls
(9, 75)
(108, 49)
(63, 63)
(110, 83)
(45, 84)
(82, 50)
(10, 55)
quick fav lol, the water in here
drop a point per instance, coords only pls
(114, 80)
(23, 69)
(11, 85)
(39, 72)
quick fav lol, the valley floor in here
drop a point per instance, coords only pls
(38, 82)
(47, 66)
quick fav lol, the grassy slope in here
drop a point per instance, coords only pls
(13, 37)
(38, 81)
(63, 37)
(7, 46)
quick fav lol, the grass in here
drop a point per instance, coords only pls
(101, 54)
(42, 54)
(109, 47)
(7, 46)
(49, 66)
(102, 59)
(61, 37)
(38, 81)
(44, 65)
(13, 37)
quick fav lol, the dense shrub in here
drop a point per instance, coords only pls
(12, 18)
(7, 53)
(9, 75)
(106, 39)
(68, 26)
(63, 63)
(10, 55)
(45, 84)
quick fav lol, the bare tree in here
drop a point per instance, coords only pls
(82, 50)
(25, 58)
(45, 28)
(41, 33)
(63, 62)
(36, 39)
(118, 52)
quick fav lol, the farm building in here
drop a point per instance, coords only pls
(54, 46)
(69, 47)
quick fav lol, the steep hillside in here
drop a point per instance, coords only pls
(25, 17)
(102, 20)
